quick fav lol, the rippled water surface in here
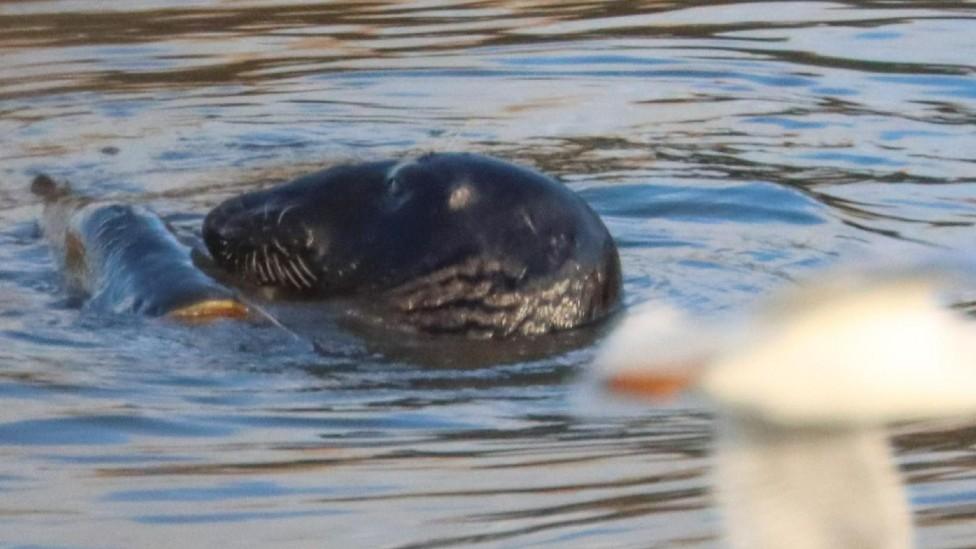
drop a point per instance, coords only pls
(730, 147)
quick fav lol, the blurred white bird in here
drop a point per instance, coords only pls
(804, 389)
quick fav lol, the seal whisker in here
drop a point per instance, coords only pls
(267, 264)
(258, 267)
(293, 269)
(528, 221)
(301, 263)
(293, 273)
(248, 262)
(279, 247)
(298, 274)
(276, 262)
(292, 278)
(281, 215)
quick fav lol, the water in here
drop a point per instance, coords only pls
(731, 149)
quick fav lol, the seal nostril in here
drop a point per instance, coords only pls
(223, 234)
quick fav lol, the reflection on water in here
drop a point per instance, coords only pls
(731, 148)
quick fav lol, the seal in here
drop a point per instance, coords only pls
(444, 243)
(123, 258)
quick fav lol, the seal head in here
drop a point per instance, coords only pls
(442, 243)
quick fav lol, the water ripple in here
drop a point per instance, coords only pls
(731, 148)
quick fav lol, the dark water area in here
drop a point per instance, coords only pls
(730, 147)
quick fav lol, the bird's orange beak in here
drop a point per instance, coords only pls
(661, 382)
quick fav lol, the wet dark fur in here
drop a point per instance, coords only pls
(459, 243)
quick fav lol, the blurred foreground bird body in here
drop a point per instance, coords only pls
(804, 488)
(804, 389)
